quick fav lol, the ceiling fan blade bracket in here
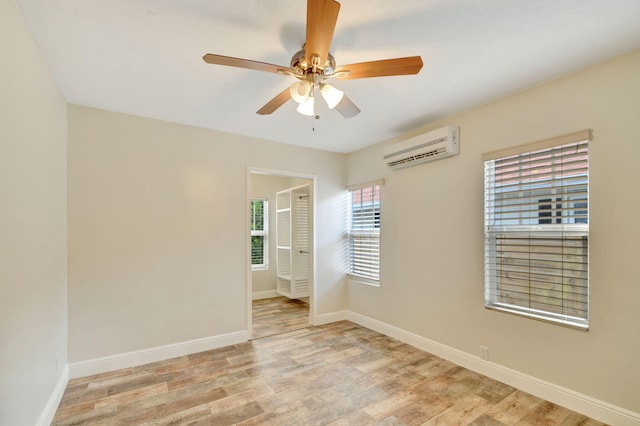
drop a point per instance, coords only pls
(339, 74)
(287, 71)
(315, 61)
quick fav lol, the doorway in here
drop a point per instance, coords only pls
(279, 266)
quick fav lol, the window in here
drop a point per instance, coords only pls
(537, 230)
(364, 232)
(259, 234)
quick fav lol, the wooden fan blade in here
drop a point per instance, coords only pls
(210, 58)
(322, 16)
(276, 102)
(386, 67)
(347, 108)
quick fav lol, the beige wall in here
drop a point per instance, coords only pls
(33, 318)
(158, 230)
(432, 236)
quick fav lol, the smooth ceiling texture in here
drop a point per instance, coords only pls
(144, 57)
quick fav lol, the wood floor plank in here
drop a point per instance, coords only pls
(174, 408)
(236, 414)
(391, 404)
(279, 314)
(461, 413)
(200, 414)
(429, 405)
(336, 374)
(515, 407)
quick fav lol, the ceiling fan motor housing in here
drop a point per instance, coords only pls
(302, 68)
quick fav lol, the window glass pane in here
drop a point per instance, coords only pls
(257, 215)
(536, 233)
(364, 235)
(257, 250)
(259, 232)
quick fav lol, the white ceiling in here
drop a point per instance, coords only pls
(144, 57)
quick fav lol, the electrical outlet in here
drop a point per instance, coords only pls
(484, 353)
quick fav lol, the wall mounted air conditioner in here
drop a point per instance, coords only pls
(434, 145)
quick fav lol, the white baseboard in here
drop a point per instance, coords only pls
(267, 294)
(330, 317)
(49, 411)
(599, 410)
(145, 356)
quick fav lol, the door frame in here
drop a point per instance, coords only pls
(312, 234)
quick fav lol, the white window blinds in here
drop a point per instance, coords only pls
(364, 234)
(537, 230)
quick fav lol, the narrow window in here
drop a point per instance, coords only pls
(259, 234)
(364, 233)
(537, 230)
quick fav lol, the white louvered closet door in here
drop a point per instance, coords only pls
(293, 242)
(300, 233)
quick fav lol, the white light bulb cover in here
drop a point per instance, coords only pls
(331, 95)
(306, 108)
(300, 91)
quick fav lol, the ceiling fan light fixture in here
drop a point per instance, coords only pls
(300, 91)
(331, 95)
(306, 107)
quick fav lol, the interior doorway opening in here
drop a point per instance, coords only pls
(281, 272)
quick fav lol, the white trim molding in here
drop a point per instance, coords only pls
(49, 411)
(594, 408)
(330, 317)
(267, 294)
(160, 353)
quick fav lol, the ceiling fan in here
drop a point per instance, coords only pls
(314, 64)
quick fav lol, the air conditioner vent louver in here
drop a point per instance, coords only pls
(430, 146)
(414, 158)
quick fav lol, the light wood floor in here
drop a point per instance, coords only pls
(336, 374)
(278, 315)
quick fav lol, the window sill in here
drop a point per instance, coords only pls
(549, 318)
(259, 267)
(363, 280)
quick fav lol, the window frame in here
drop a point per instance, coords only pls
(368, 214)
(558, 218)
(264, 233)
